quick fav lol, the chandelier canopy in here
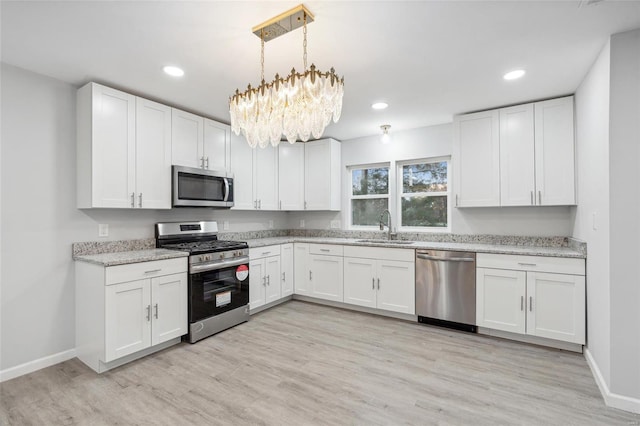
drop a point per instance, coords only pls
(298, 106)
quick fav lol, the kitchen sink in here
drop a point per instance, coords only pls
(385, 241)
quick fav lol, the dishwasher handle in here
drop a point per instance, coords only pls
(446, 259)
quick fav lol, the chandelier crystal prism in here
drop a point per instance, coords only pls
(299, 106)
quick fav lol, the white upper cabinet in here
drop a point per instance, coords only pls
(123, 144)
(266, 178)
(555, 152)
(516, 156)
(517, 177)
(199, 142)
(322, 175)
(476, 159)
(291, 176)
(242, 170)
(153, 154)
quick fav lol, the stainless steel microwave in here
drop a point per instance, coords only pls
(194, 187)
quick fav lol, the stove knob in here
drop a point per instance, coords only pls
(221, 255)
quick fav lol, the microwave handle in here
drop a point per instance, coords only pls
(226, 189)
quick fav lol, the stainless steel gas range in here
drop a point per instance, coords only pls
(218, 275)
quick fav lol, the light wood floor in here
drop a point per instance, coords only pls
(301, 363)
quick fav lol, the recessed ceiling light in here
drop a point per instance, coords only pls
(513, 75)
(173, 71)
(379, 105)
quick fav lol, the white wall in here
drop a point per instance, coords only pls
(39, 221)
(436, 141)
(624, 157)
(592, 137)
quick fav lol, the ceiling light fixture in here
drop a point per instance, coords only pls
(173, 71)
(512, 75)
(386, 137)
(298, 106)
(379, 105)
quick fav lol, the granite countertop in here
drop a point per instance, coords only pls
(473, 247)
(134, 256)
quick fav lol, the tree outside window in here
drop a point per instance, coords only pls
(369, 195)
(424, 195)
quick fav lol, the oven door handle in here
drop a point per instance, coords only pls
(218, 264)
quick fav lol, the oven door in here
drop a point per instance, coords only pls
(216, 291)
(201, 188)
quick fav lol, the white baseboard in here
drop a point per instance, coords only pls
(613, 400)
(31, 366)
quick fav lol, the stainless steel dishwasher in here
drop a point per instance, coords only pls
(446, 288)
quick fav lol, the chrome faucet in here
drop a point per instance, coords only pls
(390, 234)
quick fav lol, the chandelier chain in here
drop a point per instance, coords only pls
(304, 42)
(262, 55)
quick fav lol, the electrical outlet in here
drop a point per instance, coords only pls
(301, 223)
(225, 225)
(103, 230)
(335, 224)
(271, 224)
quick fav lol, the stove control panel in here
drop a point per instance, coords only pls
(212, 257)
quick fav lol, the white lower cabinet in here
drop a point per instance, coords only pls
(380, 278)
(301, 273)
(127, 309)
(265, 279)
(286, 268)
(538, 296)
(319, 271)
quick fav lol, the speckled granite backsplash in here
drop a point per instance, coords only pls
(100, 247)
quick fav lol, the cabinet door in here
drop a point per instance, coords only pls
(186, 139)
(326, 277)
(242, 170)
(127, 318)
(215, 149)
(291, 176)
(322, 175)
(476, 159)
(517, 179)
(273, 289)
(360, 281)
(302, 273)
(500, 299)
(286, 264)
(397, 288)
(555, 152)
(153, 155)
(257, 283)
(168, 307)
(556, 306)
(266, 178)
(114, 156)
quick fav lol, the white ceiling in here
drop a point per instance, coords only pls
(427, 59)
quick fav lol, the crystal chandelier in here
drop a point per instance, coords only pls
(298, 106)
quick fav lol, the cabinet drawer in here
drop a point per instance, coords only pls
(266, 251)
(142, 270)
(405, 255)
(558, 265)
(328, 249)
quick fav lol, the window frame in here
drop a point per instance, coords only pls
(351, 197)
(400, 194)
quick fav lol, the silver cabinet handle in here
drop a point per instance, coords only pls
(266, 253)
(373, 283)
(540, 198)
(264, 281)
(280, 207)
(325, 250)
(378, 283)
(202, 162)
(532, 202)
(526, 264)
(283, 277)
(305, 205)
(207, 163)
(133, 196)
(522, 303)
(156, 311)
(153, 271)
(259, 204)
(255, 204)
(140, 200)
(148, 312)
(268, 279)
(530, 303)
(310, 276)
(456, 200)
(446, 259)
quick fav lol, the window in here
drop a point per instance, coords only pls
(424, 194)
(369, 194)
